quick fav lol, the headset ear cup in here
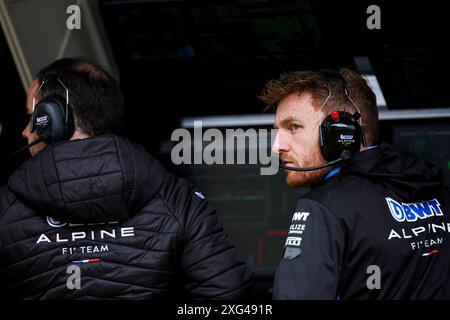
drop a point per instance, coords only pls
(323, 141)
(49, 120)
(63, 129)
(338, 135)
(41, 121)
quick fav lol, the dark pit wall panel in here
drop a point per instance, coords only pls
(12, 113)
(196, 58)
(428, 139)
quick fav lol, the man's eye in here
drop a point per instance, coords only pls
(295, 126)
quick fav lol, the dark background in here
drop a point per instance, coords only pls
(192, 58)
(196, 58)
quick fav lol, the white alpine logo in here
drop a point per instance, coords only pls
(55, 223)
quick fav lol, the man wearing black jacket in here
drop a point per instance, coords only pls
(93, 216)
(375, 223)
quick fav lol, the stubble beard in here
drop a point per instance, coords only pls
(304, 179)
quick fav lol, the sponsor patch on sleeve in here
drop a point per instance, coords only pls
(292, 247)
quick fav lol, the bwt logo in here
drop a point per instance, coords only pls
(344, 137)
(411, 211)
(300, 216)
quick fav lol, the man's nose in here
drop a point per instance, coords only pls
(26, 130)
(280, 144)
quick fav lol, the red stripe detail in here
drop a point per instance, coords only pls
(433, 252)
(95, 260)
(276, 232)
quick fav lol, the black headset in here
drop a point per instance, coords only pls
(340, 130)
(52, 117)
(341, 133)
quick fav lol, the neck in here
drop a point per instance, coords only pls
(78, 135)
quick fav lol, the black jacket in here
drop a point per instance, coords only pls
(376, 230)
(135, 231)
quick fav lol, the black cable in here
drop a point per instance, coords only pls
(26, 147)
(345, 156)
(312, 168)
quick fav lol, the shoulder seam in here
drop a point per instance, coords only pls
(168, 207)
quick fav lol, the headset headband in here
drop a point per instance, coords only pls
(334, 77)
(44, 81)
